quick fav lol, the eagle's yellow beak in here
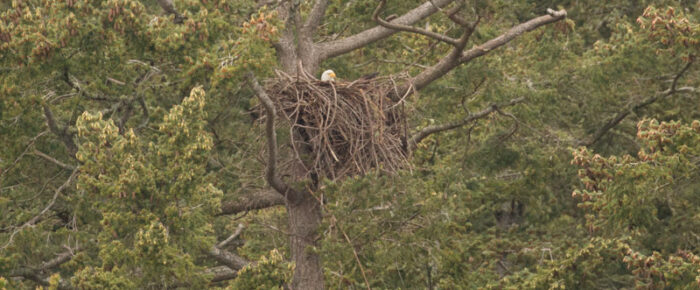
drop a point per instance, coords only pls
(332, 75)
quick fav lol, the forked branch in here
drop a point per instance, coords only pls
(456, 58)
(409, 28)
(359, 40)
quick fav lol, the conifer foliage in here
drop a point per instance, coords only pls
(534, 144)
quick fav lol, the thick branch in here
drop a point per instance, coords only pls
(625, 112)
(270, 175)
(409, 28)
(315, 18)
(62, 133)
(221, 273)
(227, 258)
(452, 60)
(348, 44)
(258, 200)
(427, 131)
(287, 44)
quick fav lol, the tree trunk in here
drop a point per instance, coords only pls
(303, 209)
(304, 221)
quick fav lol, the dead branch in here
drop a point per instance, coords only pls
(552, 16)
(225, 257)
(452, 13)
(427, 131)
(455, 58)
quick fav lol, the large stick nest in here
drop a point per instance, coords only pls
(340, 129)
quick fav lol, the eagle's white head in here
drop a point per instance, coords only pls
(328, 75)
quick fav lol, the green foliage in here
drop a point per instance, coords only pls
(673, 31)
(488, 205)
(153, 221)
(270, 272)
(651, 197)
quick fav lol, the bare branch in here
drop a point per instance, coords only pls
(648, 101)
(53, 160)
(409, 28)
(227, 258)
(359, 40)
(427, 131)
(452, 13)
(258, 200)
(235, 234)
(552, 16)
(455, 58)
(270, 175)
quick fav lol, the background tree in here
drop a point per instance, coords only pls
(487, 203)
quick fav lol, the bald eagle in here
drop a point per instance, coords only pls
(328, 75)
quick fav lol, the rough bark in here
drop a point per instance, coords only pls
(304, 220)
(257, 200)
